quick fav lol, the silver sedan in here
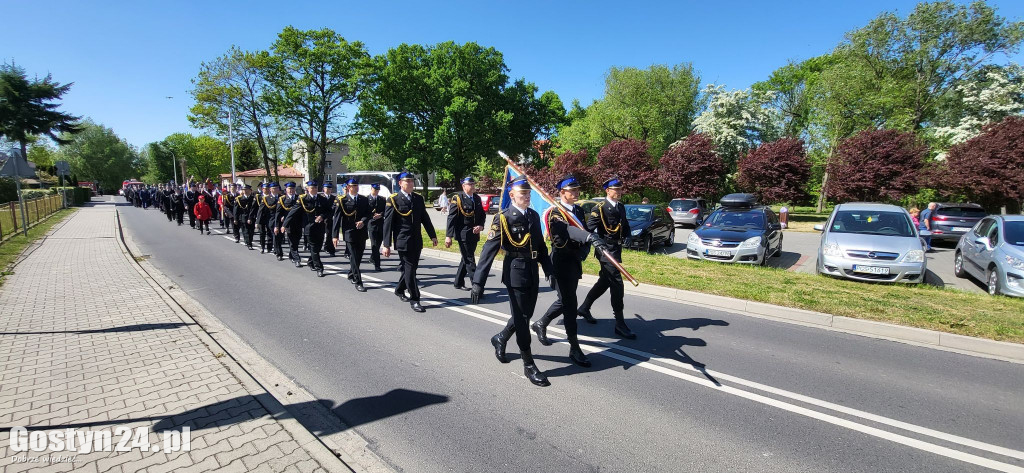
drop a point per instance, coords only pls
(871, 242)
(993, 253)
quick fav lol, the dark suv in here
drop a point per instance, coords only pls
(951, 221)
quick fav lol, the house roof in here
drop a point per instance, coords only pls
(282, 172)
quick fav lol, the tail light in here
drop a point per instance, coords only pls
(668, 209)
(695, 211)
(940, 217)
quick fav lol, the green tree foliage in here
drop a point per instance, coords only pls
(237, 82)
(443, 107)
(656, 105)
(313, 74)
(43, 154)
(738, 120)
(202, 157)
(29, 108)
(97, 154)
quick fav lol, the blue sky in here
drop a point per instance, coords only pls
(125, 58)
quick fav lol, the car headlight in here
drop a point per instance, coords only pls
(831, 249)
(751, 242)
(914, 256)
(1015, 262)
(637, 232)
(693, 239)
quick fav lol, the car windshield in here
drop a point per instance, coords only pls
(962, 212)
(639, 213)
(748, 219)
(872, 223)
(1013, 233)
(683, 204)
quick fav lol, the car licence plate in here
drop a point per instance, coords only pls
(960, 229)
(718, 253)
(859, 268)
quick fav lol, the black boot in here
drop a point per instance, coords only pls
(498, 341)
(622, 330)
(402, 296)
(416, 307)
(577, 356)
(584, 312)
(320, 272)
(540, 327)
(360, 288)
(532, 372)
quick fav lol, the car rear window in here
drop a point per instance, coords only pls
(1013, 233)
(683, 204)
(972, 212)
(749, 219)
(872, 223)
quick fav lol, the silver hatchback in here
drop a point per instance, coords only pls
(993, 253)
(871, 242)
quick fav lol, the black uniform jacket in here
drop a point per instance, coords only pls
(519, 235)
(348, 212)
(464, 213)
(403, 217)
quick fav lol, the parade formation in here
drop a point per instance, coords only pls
(319, 220)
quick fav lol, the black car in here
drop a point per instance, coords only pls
(951, 221)
(651, 226)
(740, 231)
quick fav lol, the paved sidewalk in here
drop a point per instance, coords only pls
(87, 343)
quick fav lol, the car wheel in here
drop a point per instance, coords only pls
(671, 238)
(992, 281)
(958, 265)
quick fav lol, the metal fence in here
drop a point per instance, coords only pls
(35, 210)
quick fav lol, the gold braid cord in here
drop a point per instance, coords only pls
(341, 203)
(517, 244)
(458, 201)
(395, 206)
(600, 210)
(280, 202)
(552, 216)
(303, 204)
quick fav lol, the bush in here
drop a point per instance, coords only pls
(79, 195)
(876, 165)
(988, 168)
(692, 168)
(30, 194)
(8, 192)
(776, 172)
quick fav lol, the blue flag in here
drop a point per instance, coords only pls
(539, 200)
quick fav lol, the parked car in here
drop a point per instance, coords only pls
(993, 253)
(740, 231)
(650, 226)
(491, 202)
(689, 211)
(871, 242)
(951, 221)
(588, 204)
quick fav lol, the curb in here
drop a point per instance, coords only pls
(341, 451)
(963, 344)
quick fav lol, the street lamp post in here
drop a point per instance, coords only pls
(231, 144)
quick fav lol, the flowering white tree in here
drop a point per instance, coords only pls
(738, 120)
(995, 95)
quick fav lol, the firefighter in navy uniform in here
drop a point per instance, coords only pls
(350, 222)
(608, 220)
(245, 214)
(263, 215)
(376, 226)
(313, 209)
(465, 222)
(290, 222)
(178, 205)
(329, 245)
(404, 213)
(273, 206)
(228, 220)
(569, 247)
(516, 231)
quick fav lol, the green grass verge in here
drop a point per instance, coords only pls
(947, 310)
(10, 249)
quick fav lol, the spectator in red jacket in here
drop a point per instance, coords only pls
(203, 214)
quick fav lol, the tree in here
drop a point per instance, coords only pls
(990, 96)
(97, 154)
(446, 106)
(656, 105)
(314, 74)
(738, 121)
(29, 108)
(159, 164)
(876, 165)
(692, 168)
(789, 91)
(200, 157)
(988, 168)
(776, 171)
(237, 82)
(629, 161)
(43, 154)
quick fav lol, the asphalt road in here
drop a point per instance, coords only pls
(699, 390)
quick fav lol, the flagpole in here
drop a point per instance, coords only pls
(607, 255)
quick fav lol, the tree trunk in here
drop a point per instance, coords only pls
(821, 195)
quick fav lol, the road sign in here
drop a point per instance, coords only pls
(63, 168)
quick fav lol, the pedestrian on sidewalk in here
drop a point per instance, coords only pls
(203, 214)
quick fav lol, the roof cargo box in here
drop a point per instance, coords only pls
(739, 200)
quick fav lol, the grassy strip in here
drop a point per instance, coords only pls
(947, 310)
(12, 248)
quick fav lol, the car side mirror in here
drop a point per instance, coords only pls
(819, 228)
(983, 241)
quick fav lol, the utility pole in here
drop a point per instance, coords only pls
(231, 144)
